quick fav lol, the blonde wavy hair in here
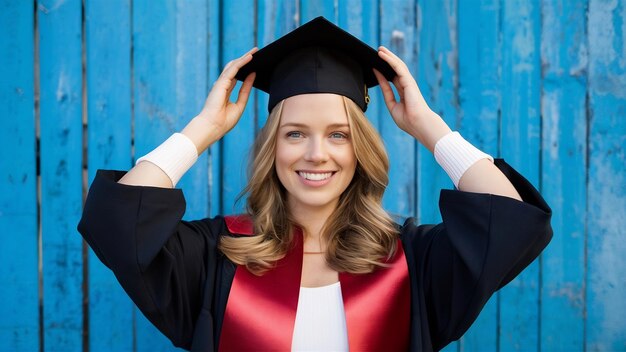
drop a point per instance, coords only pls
(360, 235)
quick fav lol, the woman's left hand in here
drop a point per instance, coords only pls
(411, 113)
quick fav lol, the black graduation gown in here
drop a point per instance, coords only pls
(178, 278)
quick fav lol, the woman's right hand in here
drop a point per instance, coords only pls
(219, 115)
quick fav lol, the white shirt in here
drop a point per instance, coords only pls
(320, 320)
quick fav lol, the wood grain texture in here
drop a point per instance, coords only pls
(438, 81)
(155, 108)
(309, 9)
(480, 96)
(237, 39)
(520, 143)
(60, 70)
(398, 31)
(19, 311)
(361, 19)
(563, 176)
(214, 67)
(606, 242)
(538, 82)
(191, 91)
(109, 126)
(273, 21)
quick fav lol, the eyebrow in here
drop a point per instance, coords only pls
(302, 125)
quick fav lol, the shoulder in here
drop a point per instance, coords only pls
(411, 230)
(222, 225)
(417, 238)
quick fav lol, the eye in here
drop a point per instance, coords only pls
(338, 135)
(294, 134)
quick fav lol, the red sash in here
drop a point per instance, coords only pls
(261, 310)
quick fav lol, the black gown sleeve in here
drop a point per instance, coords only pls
(483, 242)
(160, 261)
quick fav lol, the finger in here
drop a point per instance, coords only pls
(396, 83)
(233, 66)
(226, 73)
(244, 91)
(220, 92)
(404, 78)
(231, 86)
(390, 53)
(388, 96)
(399, 86)
(231, 71)
(395, 62)
(244, 59)
(251, 51)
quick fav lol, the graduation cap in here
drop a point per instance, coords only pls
(317, 57)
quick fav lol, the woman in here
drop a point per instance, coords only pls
(316, 264)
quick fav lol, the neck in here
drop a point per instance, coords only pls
(312, 219)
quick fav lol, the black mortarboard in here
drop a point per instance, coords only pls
(317, 57)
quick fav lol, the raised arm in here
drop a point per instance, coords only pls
(218, 116)
(412, 114)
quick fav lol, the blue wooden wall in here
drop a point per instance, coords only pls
(94, 84)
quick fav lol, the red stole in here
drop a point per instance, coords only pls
(261, 310)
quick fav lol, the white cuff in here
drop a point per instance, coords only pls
(456, 155)
(174, 156)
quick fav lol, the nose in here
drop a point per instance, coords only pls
(316, 151)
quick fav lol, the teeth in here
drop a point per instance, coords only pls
(315, 176)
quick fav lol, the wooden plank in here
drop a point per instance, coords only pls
(60, 69)
(191, 91)
(309, 9)
(108, 43)
(214, 67)
(606, 329)
(398, 33)
(155, 107)
(237, 39)
(438, 83)
(479, 101)
(480, 59)
(520, 143)
(273, 21)
(361, 19)
(563, 179)
(19, 311)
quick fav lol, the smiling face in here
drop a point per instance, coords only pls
(315, 159)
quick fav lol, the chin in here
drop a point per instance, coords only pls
(313, 201)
